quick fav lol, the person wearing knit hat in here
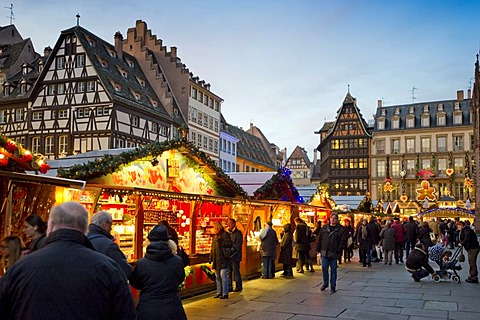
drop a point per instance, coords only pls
(158, 276)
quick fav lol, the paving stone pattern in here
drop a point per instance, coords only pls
(383, 292)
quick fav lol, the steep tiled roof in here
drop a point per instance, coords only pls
(99, 51)
(30, 78)
(249, 147)
(9, 53)
(351, 100)
(299, 153)
(418, 109)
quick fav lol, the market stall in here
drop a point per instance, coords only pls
(171, 181)
(23, 194)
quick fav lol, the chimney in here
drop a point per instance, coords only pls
(47, 51)
(469, 93)
(379, 103)
(119, 44)
(459, 95)
(314, 156)
(251, 125)
(173, 52)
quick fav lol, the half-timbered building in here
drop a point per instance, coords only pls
(91, 95)
(300, 165)
(344, 152)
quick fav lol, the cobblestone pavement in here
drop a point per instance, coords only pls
(381, 292)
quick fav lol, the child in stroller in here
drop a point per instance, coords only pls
(446, 261)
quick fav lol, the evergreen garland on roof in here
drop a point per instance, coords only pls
(109, 164)
(279, 187)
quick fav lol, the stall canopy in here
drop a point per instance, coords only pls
(176, 166)
(447, 213)
(350, 202)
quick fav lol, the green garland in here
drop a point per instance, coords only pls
(109, 164)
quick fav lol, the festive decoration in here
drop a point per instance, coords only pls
(426, 192)
(426, 173)
(449, 171)
(188, 271)
(388, 187)
(279, 187)
(109, 164)
(449, 212)
(13, 157)
(404, 198)
(209, 272)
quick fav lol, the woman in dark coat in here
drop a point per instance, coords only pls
(222, 251)
(424, 235)
(158, 276)
(286, 250)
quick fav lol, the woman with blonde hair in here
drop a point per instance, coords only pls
(11, 250)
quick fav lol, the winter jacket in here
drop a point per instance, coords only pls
(399, 231)
(374, 231)
(331, 241)
(417, 259)
(237, 242)
(411, 231)
(364, 237)
(301, 238)
(66, 279)
(221, 245)
(424, 236)
(468, 239)
(102, 241)
(348, 233)
(269, 242)
(38, 243)
(286, 248)
(388, 239)
(158, 276)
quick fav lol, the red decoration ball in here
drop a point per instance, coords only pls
(4, 162)
(11, 146)
(44, 168)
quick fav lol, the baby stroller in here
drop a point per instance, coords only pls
(448, 269)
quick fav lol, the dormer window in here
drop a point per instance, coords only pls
(456, 105)
(91, 41)
(112, 53)
(154, 103)
(383, 112)
(123, 72)
(410, 122)
(24, 69)
(440, 107)
(411, 110)
(130, 63)
(426, 121)
(425, 108)
(136, 95)
(23, 88)
(457, 119)
(141, 82)
(397, 111)
(117, 87)
(395, 123)
(441, 120)
(40, 66)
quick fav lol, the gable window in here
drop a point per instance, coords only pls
(60, 63)
(425, 108)
(61, 88)
(440, 107)
(62, 114)
(163, 131)
(90, 86)
(37, 115)
(80, 87)
(135, 121)
(103, 111)
(397, 111)
(23, 88)
(80, 60)
(154, 127)
(51, 89)
(3, 116)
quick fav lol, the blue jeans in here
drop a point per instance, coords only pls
(234, 272)
(221, 277)
(422, 273)
(267, 266)
(332, 263)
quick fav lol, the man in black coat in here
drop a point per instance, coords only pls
(468, 239)
(417, 263)
(411, 234)
(330, 244)
(101, 239)
(67, 279)
(234, 270)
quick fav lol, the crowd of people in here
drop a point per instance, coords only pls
(70, 261)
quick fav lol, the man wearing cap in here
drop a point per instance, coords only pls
(158, 276)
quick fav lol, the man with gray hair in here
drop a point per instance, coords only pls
(67, 279)
(99, 235)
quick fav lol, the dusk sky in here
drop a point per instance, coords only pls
(286, 65)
